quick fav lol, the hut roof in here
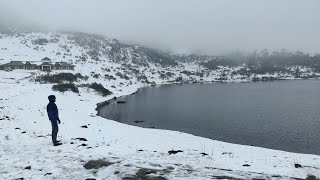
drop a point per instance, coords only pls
(13, 63)
(46, 59)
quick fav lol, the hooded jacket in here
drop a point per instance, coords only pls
(52, 111)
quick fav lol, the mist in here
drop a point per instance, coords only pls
(186, 26)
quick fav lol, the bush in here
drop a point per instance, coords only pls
(40, 41)
(65, 87)
(311, 177)
(188, 73)
(62, 77)
(100, 89)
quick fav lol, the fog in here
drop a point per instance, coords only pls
(207, 26)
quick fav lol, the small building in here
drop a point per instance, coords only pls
(29, 66)
(44, 65)
(12, 65)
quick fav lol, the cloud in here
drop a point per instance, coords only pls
(206, 25)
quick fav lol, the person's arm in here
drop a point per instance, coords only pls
(57, 113)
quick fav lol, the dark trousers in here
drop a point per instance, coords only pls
(55, 130)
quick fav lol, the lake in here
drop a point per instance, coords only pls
(283, 115)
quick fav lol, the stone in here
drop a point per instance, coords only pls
(96, 164)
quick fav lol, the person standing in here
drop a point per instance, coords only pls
(53, 115)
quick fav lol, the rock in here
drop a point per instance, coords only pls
(246, 165)
(121, 102)
(84, 126)
(223, 177)
(174, 152)
(47, 174)
(23, 132)
(28, 167)
(157, 178)
(170, 168)
(96, 164)
(204, 154)
(143, 172)
(296, 165)
(90, 179)
(82, 139)
(129, 178)
(311, 177)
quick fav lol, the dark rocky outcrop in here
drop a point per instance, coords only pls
(296, 165)
(28, 167)
(96, 164)
(145, 174)
(174, 152)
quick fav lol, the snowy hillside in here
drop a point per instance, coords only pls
(125, 152)
(112, 59)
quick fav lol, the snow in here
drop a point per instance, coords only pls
(24, 102)
(25, 129)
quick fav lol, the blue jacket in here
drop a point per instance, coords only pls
(52, 111)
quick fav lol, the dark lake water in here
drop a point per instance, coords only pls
(283, 115)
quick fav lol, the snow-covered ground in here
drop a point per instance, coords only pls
(26, 150)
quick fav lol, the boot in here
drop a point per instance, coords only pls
(57, 144)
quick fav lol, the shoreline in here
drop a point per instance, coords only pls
(112, 100)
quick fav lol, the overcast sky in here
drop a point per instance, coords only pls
(199, 25)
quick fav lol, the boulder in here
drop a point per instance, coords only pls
(96, 164)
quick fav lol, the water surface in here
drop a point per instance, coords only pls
(282, 115)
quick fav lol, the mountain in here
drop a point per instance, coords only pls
(138, 61)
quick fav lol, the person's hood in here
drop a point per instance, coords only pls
(52, 98)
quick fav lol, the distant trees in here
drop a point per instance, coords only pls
(40, 41)
(221, 61)
(279, 61)
(65, 87)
